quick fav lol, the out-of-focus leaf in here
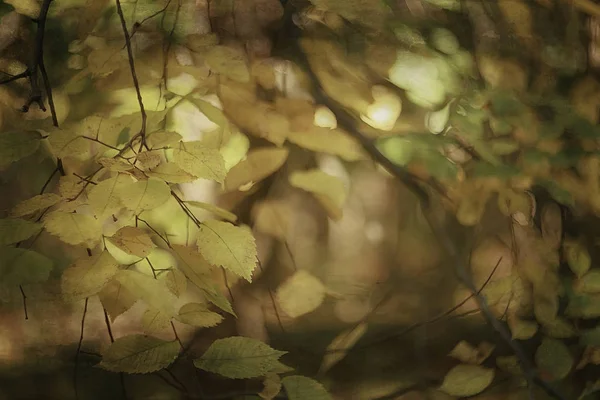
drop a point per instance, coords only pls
(88, 275)
(300, 294)
(13, 230)
(341, 344)
(21, 266)
(258, 164)
(467, 380)
(299, 387)
(139, 354)
(17, 145)
(34, 204)
(554, 359)
(327, 189)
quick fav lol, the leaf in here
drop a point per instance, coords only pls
(144, 195)
(115, 165)
(87, 276)
(73, 228)
(229, 62)
(229, 246)
(239, 357)
(172, 173)
(176, 282)
(148, 159)
(590, 337)
(139, 354)
(154, 321)
(467, 380)
(330, 141)
(554, 359)
(218, 211)
(104, 197)
(217, 298)
(67, 143)
(13, 230)
(21, 266)
(340, 345)
(198, 159)
(300, 387)
(17, 145)
(578, 257)
(329, 190)
(116, 299)
(588, 283)
(193, 265)
(69, 186)
(521, 329)
(197, 314)
(133, 241)
(300, 294)
(161, 139)
(468, 354)
(152, 291)
(34, 204)
(259, 164)
(560, 328)
(271, 387)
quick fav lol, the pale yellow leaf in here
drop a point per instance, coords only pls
(161, 139)
(272, 217)
(73, 228)
(34, 204)
(139, 354)
(200, 160)
(469, 354)
(115, 164)
(87, 276)
(330, 141)
(300, 294)
(339, 347)
(329, 190)
(133, 241)
(70, 186)
(152, 291)
(218, 211)
(104, 197)
(154, 321)
(144, 195)
(171, 172)
(258, 164)
(229, 246)
(116, 299)
(176, 281)
(197, 314)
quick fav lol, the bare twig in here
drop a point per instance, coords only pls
(24, 302)
(79, 348)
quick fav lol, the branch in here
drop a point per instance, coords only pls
(85, 307)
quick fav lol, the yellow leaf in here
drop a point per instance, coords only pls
(272, 217)
(330, 141)
(176, 281)
(171, 172)
(578, 257)
(469, 354)
(73, 228)
(229, 246)
(69, 186)
(115, 164)
(271, 386)
(104, 197)
(329, 190)
(193, 266)
(30, 8)
(201, 161)
(259, 164)
(218, 211)
(133, 240)
(229, 62)
(87, 276)
(300, 294)
(521, 329)
(116, 299)
(154, 321)
(161, 139)
(68, 143)
(339, 347)
(34, 204)
(144, 195)
(152, 291)
(197, 314)
(148, 159)
(467, 380)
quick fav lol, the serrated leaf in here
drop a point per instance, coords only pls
(521, 329)
(21, 266)
(104, 197)
(229, 62)
(578, 257)
(467, 380)
(271, 387)
(197, 314)
(259, 164)
(17, 145)
(200, 160)
(229, 246)
(87, 276)
(299, 387)
(116, 299)
(163, 139)
(148, 159)
(218, 299)
(176, 281)
(192, 264)
(67, 143)
(300, 294)
(144, 195)
(34, 204)
(115, 164)
(554, 359)
(152, 291)
(69, 186)
(170, 172)
(239, 357)
(327, 189)
(13, 230)
(73, 228)
(218, 211)
(133, 241)
(139, 354)
(330, 141)
(154, 321)
(341, 344)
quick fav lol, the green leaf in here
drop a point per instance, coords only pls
(139, 354)
(197, 314)
(34, 204)
(13, 230)
(239, 357)
(466, 380)
(73, 228)
(300, 294)
(219, 300)
(21, 266)
(553, 358)
(104, 197)
(172, 173)
(155, 321)
(229, 246)
(88, 275)
(68, 143)
(218, 211)
(152, 291)
(144, 195)
(522, 329)
(17, 145)
(588, 283)
(134, 241)
(300, 387)
(116, 299)
(200, 160)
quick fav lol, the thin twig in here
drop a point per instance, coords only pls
(24, 301)
(79, 349)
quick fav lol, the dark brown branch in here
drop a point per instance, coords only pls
(24, 302)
